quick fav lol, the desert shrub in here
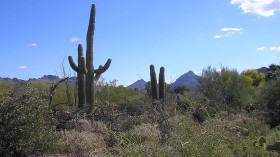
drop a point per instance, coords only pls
(272, 73)
(254, 77)
(244, 123)
(105, 111)
(142, 140)
(225, 88)
(193, 139)
(81, 144)
(181, 89)
(25, 125)
(132, 108)
(118, 94)
(199, 115)
(5, 86)
(271, 100)
(125, 122)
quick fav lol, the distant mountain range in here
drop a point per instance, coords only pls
(189, 79)
(45, 78)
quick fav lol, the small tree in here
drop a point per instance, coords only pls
(225, 88)
(273, 72)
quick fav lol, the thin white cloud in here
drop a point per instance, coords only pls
(259, 7)
(32, 45)
(228, 31)
(218, 36)
(263, 48)
(272, 48)
(74, 39)
(22, 67)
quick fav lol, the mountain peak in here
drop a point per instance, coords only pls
(190, 73)
(189, 79)
(138, 84)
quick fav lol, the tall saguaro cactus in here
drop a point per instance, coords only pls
(86, 68)
(158, 90)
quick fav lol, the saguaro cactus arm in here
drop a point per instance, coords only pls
(81, 68)
(102, 69)
(75, 67)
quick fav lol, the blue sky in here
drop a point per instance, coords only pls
(181, 35)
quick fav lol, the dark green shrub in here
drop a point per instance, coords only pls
(181, 89)
(199, 115)
(272, 73)
(24, 125)
(271, 99)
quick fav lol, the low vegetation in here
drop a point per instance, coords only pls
(228, 115)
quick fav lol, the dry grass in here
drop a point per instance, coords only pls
(82, 144)
(217, 137)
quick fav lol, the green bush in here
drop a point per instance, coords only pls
(25, 126)
(226, 88)
(271, 95)
(5, 86)
(271, 99)
(273, 72)
(118, 94)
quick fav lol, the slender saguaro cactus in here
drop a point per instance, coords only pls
(158, 91)
(92, 75)
(161, 84)
(154, 86)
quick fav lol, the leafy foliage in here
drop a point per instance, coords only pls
(118, 94)
(273, 72)
(254, 77)
(225, 88)
(5, 86)
(271, 99)
(25, 126)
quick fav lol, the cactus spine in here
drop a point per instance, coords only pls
(86, 68)
(158, 91)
